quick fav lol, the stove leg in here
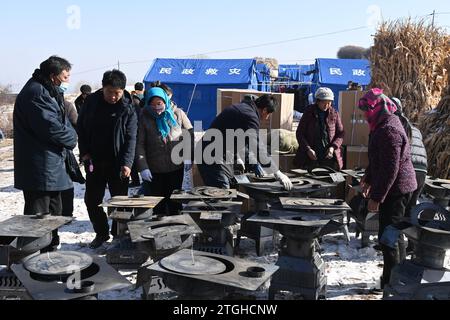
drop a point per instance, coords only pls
(346, 234)
(365, 239)
(272, 293)
(259, 247)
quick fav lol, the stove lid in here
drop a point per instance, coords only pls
(300, 185)
(146, 230)
(31, 226)
(314, 204)
(290, 218)
(200, 193)
(130, 202)
(238, 273)
(193, 265)
(60, 263)
(105, 278)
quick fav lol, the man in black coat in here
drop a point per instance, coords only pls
(107, 128)
(245, 116)
(42, 134)
(86, 90)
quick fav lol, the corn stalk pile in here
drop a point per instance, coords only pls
(435, 126)
(408, 62)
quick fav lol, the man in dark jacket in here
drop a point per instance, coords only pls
(107, 128)
(320, 134)
(245, 116)
(42, 134)
(137, 96)
(86, 90)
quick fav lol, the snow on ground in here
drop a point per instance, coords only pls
(351, 271)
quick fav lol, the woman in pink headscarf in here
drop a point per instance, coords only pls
(390, 178)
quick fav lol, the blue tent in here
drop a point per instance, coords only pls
(195, 82)
(263, 76)
(336, 73)
(296, 72)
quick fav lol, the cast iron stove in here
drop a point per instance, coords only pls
(427, 274)
(67, 276)
(302, 269)
(159, 238)
(218, 221)
(122, 253)
(22, 236)
(197, 275)
(265, 194)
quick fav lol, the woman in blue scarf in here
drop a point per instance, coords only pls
(161, 128)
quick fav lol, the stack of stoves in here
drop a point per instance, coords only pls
(215, 213)
(197, 275)
(22, 236)
(218, 221)
(67, 276)
(159, 238)
(427, 274)
(265, 194)
(122, 253)
(302, 269)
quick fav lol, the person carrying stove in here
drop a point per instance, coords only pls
(390, 179)
(320, 134)
(107, 130)
(161, 130)
(246, 116)
(42, 136)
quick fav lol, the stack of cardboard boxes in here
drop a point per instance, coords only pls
(356, 128)
(282, 118)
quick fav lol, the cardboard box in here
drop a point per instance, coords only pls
(282, 118)
(355, 124)
(356, 157)
(285, 162)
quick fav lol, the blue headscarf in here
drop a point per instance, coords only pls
(165, 120)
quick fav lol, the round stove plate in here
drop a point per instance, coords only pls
(184, 264)
(58, 263)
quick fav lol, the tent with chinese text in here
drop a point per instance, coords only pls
(336, 73)
(195, 82)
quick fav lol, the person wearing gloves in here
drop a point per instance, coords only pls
(160, 131)
(390, 179)
(246, 116)
(320, 134)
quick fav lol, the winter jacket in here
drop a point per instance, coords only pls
(306, 134)
(390, 171)
(151, 152)
(418, 151)
(125, 130)
(71, 113)
(41, 136)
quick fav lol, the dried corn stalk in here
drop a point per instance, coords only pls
(408, 62)
(435, 126)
